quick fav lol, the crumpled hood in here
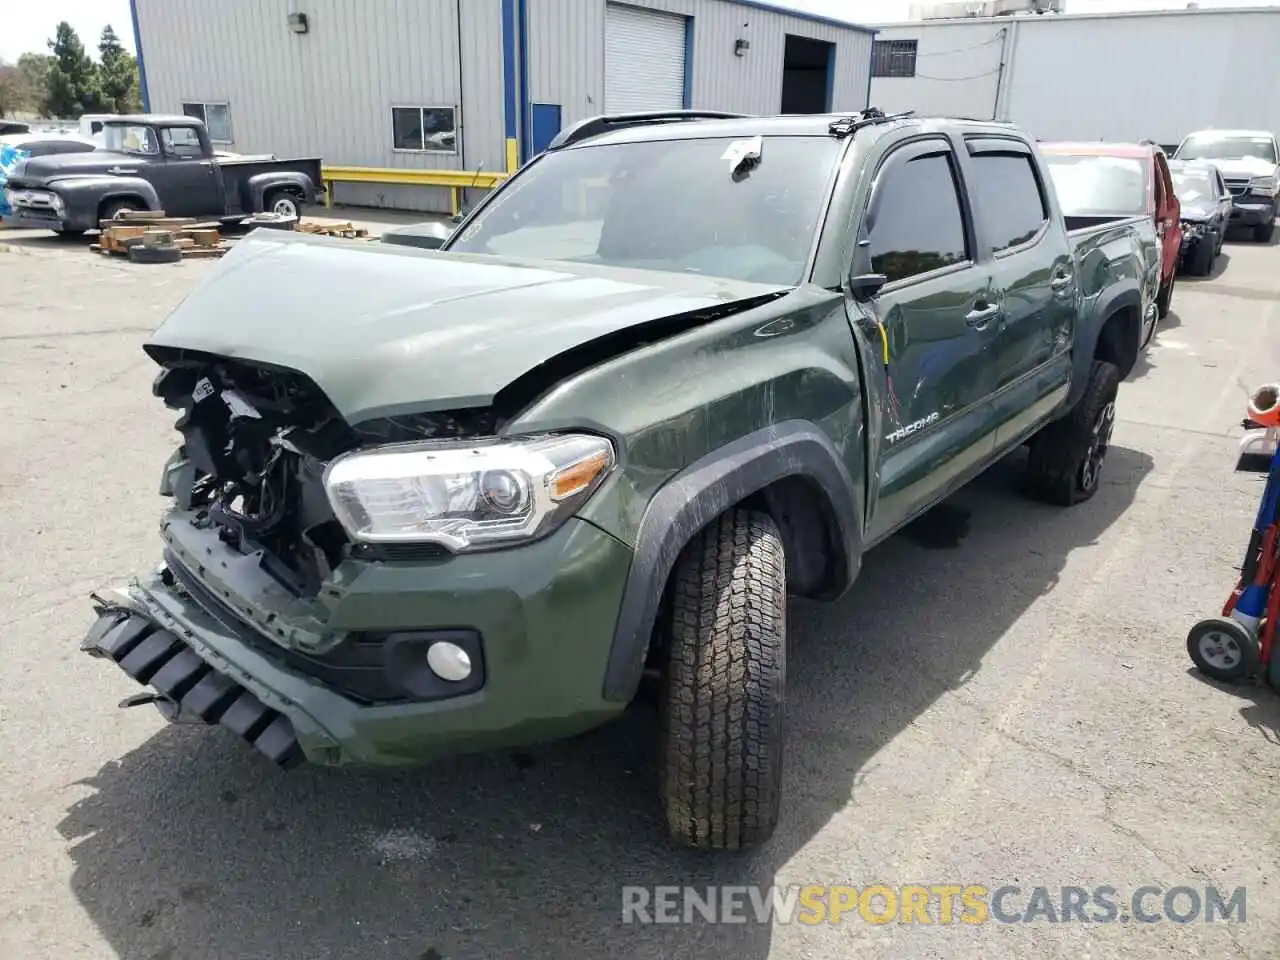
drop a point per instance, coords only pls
(385, 329)
(1196, 212)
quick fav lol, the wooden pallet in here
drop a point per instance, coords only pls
(195, 238)
(347, 230)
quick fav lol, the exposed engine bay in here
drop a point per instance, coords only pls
(256, 441)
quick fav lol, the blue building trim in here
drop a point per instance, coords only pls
(688, 63)
(509, 107)
(870, 62)
(526, 111)
(142, 66)
(801, 15)
(831, 77)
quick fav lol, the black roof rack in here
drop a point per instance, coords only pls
(846, 126)
(594, 126)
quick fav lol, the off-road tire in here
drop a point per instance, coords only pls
(1056, 465)
(164, 253)
(720, 763)
(1263, 231)
(1200, 263)
(109, 209)
(1164, 298)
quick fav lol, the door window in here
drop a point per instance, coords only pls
(1008, 196)
(181, 142)
(919, 224)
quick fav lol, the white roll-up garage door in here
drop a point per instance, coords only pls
(643, 60)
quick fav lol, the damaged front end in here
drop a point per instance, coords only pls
(319, 575)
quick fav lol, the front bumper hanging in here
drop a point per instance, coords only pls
(185, 683)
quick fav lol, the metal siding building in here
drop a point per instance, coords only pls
(505, 73)
(1127, 76)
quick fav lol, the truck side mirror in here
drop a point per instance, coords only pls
(866, 286)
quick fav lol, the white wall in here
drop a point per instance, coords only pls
(1121, 77)
(957, 66)
(1155, 77)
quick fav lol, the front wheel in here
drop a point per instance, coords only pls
(721, 741)
(1065, 464)
(1263, 231)
(1223, 649)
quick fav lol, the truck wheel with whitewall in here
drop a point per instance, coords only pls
(720, 763)
(110, 209)
(284, 202)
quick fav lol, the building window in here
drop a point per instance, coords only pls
(216, 118)
(424, 129)
(893, 58)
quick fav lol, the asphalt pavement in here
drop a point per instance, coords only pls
(1004, 699)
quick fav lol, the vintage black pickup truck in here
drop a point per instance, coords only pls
(155, 162)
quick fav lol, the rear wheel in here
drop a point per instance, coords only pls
(283, 203)
(1065, 464)
(721, 741)
(1164, 299)
(1223, 649)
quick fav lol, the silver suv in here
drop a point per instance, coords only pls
(1250, 165)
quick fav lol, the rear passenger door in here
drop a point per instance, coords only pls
(1033, 271)
(932, 326)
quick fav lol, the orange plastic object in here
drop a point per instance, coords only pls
(1264, 405)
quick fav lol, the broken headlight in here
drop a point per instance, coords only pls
(466, 495)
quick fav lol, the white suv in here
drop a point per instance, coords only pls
(1250, 165)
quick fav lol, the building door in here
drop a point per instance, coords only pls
(644, 60)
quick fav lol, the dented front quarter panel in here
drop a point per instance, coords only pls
(670, 403)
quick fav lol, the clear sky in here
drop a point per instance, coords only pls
(27, 24)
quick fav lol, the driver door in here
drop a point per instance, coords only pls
(186, 181)
(933, 327)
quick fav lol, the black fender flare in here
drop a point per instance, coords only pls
(699, 494)
(84, 196)
(1124, 296)
(260, 184)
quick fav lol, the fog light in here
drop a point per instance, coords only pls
(448, 661)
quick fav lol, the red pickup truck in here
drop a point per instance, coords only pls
(1105, 183)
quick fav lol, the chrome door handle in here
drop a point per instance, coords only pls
(979, 317)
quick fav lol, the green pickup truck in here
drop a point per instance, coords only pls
(676, 369)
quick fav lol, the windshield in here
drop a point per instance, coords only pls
(673, 205)
(1215, 147)
(1099, 186)
(130, 138)
(1193, 188)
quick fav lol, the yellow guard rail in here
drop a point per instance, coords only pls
(453, 180)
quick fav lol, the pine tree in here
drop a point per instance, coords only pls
(73, 86)
(118, 72)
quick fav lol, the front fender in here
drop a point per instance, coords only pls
(700, 493)
(83, 196)
(257, 186)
